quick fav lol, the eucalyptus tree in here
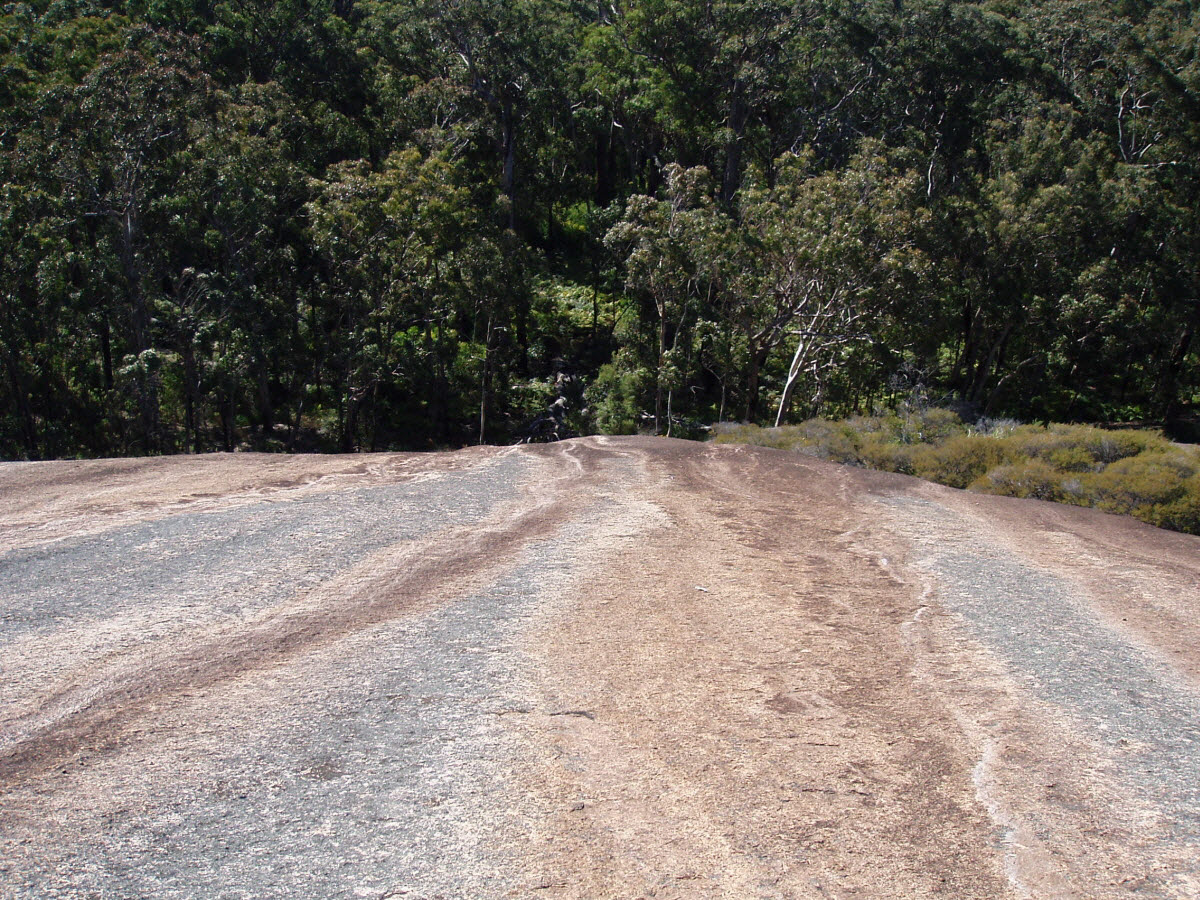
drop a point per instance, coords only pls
(509, 58)
(416, 279)
(55, 341)
(117, 182)
(837, 255)
(708, 79)
(237, 301)
(671, 246)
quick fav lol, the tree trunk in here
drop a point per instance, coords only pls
(483, 381)
(226, 408)
(191, 441)
(509, 126)
(736, 122)
(758, 356)
(962, 362)
(373, 442)
(986, 366)
(1168, 385)
(605, 192)
(659, 411)
(799, 361)
(266, 410)
(141, 321)
(439, 406)
(106, 350)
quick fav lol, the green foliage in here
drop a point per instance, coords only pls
(1153, 486)
(614, 397)
(879, 453)
(1081, 447)
(1030, 478)
(339, 224)
(960, 460)
(837, 441)
(786, 437)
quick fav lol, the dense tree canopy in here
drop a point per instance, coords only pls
(370, 224)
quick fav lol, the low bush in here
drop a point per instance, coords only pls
(829, 440)
(961, 460)
(785, 438)
(1136, 484)
(835, 441)
(1080, 447)
(929, 425)
(1031, 478)
(877, 452)
(1181, 514)
(1137, 473)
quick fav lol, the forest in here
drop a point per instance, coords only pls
(340, 225)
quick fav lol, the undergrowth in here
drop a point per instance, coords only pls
(1136, 473)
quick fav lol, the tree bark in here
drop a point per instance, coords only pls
(1168, 386)
(799, 360)
(509, 126)
(736, 122)
(147, 388)
(659, 410)
(106, 350)
(987, 365)
(758, 357)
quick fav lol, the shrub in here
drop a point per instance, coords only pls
(785, 438)
(879, 453)
(822, 438)
(995, 427)
(929, 425)
(614, 396)
(911, 424)
(1080, 447)
(883, 422)
(1071, 459)
(1032, 478)
(1137, 484)
(835, 441)
(1183, 513)
(1110, 446)
(960, 461)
